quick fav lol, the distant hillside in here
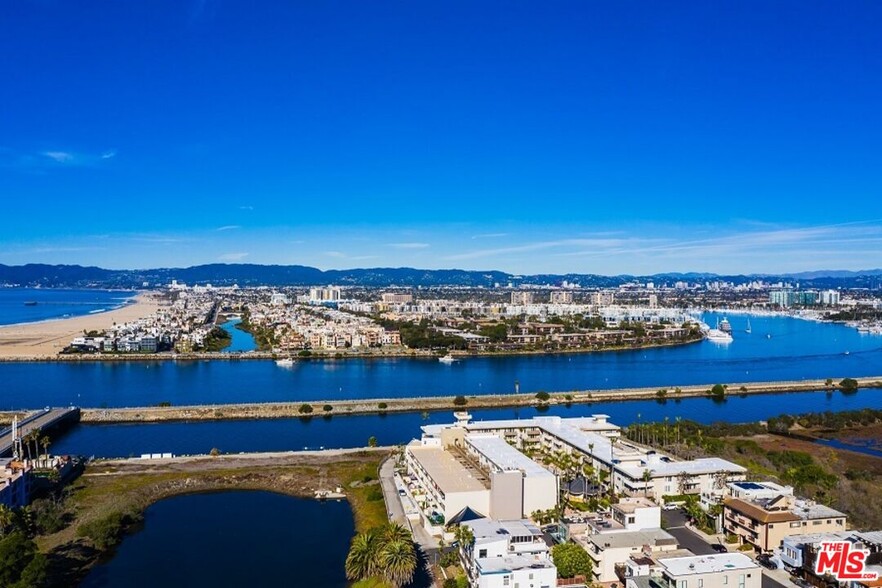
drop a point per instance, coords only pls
(75, 276)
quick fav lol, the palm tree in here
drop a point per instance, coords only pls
(7, 516)
(361, 562)
(45, 441)
(666, 432)
(647, 478)
(394, 532)
(398, 562)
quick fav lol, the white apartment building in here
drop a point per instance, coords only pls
(725, 570)
(508, 554)
(610, 550)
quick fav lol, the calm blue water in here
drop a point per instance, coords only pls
(233, 539)
(797, 350)
(867, 447)
(54, 304)
(353, 431)
(242, 341)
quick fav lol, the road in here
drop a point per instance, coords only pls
(675, 524)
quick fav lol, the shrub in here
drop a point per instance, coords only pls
(305, 409)
(661, 393)
(542, 396)
(327, 408)
(214, 452)
(849, 384)
(718, 391)
(374, 494)
(304, 353)
(372, 441)
(382, 406)
(460, 401)
(571, 560)
(106, 532)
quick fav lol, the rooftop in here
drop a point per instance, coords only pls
(707, 564)
(633, 539)
(504, 456)
(511, 563)
(482, 528)
(445, 470)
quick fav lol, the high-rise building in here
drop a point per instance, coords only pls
(561, 297)
(603, 298)
(392, 298)
(830, 297)
(521, 298)
(329, 294)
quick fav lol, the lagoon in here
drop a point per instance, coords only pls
(233, 539)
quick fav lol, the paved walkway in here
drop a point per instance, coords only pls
(395, 510)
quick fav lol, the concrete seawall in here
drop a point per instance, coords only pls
(436, 403)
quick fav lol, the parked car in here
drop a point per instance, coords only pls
(719, 548)
(765, 560)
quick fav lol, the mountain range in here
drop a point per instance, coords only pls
(75, 276)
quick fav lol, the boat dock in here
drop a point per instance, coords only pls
(41, 421)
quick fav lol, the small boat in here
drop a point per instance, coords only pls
(725, 326)
(768, 335)
(30, 303)
(286, 362)
(748, 329)
(447, 359)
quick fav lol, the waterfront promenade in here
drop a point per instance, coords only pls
(266, 410)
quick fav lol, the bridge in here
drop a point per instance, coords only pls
(40, 421)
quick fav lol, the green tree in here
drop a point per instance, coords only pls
(571, 561)
(21, 565)
(848, 384)
(398, 561)
(460, 401)
(361, 561)
(372, 441)
(542, 396)
(305, 409)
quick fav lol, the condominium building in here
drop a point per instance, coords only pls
(508, 554)
(15, 483)
(725, 570)
(328, 294)
(609, 551)
(519, 298)
(394, 298)
(764, 523)
(561, 297)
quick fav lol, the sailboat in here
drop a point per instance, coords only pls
(748, 329)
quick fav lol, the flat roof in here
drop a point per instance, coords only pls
(504, 456)
(445, 470)
(482, 528)
(633, 539)
(707, 564)
(704, 465)
(499, 565)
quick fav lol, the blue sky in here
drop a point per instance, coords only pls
(606, 137)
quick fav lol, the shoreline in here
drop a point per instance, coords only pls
(275, 410)
(314, 356)
(43, 339)
(98, 493)
(129, 300)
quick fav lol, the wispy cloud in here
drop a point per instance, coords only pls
(76, 159)
(341, 255)
(490, 236)
(408, 245)
(246, 207)
(228, 228)
(59, 156)
(232, 256)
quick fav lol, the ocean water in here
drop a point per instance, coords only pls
(56, 303)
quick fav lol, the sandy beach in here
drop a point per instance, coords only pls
(45, 339)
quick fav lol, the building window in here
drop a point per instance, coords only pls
(682, 584)
(725, 580)
(482, 553)
(700, 583)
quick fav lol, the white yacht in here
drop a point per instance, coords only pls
(285, 363)
(719, 336)
(447, 359)
(725, 326)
